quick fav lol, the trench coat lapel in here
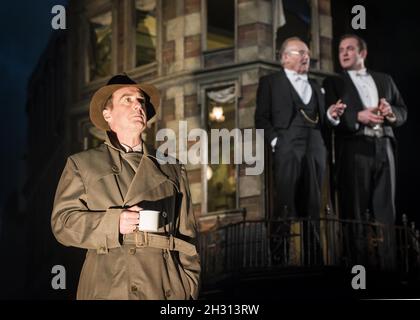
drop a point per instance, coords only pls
(115, 167)
(147, 177)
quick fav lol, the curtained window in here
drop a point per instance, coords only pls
(221, 177)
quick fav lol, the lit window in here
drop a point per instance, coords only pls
(221, 178)
(145, 31)
(100, 45)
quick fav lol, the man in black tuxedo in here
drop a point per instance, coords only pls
(365, 143)
(290, 109)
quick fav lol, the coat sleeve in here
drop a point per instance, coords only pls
(263, 116)
(334, 87)
(189, 232)
(397, 104)
(331, 93)
(73, 224)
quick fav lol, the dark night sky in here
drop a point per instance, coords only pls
(25, 27)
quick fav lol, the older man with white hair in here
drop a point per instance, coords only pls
(290, 109)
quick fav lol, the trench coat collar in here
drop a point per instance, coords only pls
(147, 177)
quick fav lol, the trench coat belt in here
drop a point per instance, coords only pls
(145, 239)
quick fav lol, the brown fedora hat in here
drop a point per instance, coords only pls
(97, 104)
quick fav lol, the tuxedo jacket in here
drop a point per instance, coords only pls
(342, 87)
(275, 109)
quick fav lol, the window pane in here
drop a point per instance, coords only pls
(145, 31)
(220, 24)
(100, 48)
(221, 179)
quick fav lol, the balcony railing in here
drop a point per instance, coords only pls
(308, 242)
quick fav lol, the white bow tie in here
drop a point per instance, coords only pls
(361, 73)
(301, 77)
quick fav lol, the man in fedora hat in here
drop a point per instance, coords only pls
(100, 198)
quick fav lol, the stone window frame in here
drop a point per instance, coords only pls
(204, 28)
(201, 92)
(95, 9)
(130, 54)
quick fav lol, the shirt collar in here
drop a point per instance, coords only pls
(362, 72)
(137, 148)
(112, 141)
(291, 74)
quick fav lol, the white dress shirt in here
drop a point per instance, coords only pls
(303, 88)
(366, 87)
(301, 84)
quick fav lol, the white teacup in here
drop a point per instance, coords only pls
(149, 220)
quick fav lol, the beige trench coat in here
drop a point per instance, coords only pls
(93, 190)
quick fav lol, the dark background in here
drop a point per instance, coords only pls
(25, 27)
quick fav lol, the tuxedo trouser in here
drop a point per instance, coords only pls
(366, 190)
(299, 167)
